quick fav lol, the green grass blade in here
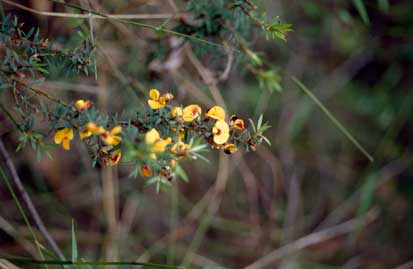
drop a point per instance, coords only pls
(92, 263)
(359, 4)
(21, 210)
(332, 118)
(74, 244)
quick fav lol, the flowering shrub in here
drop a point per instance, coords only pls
(155, 142)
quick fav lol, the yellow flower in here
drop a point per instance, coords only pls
(153, 138)
(239, 124)
(176, 111)
(236, 122)
(94, 128)
(111, 138)
(146, 171)
(114, 157)
(82, 105)
(160, 145)
(191, 112)
(84, 133)
(180, 149)
(156, 101)
(216, 112)
(230, 148)
(181, 134)
(63, 136)
(221, 132)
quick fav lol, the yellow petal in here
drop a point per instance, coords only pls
(85, 133)
(155, 104)
(176, 111)
(82, 104)
(221, 126)
(180, 148)
(69, 133)
(59, 135)
(154, 94)
(160, 145)
(114, 157)
(146, 171)
(116, 140)
(151, 136)
(239, 124)
(66, 144)
(216, 112)
(181, 134)
(116, 130)
(221, 138)
(230, 148)
(191, 112)
(221, 132)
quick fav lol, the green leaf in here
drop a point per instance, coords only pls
(259, 124)
(266, 140)
(181, 173)
(359, 4)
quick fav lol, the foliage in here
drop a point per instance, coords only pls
(154, 141)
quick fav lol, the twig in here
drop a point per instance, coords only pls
(139, 24)
(224, 76)
(313, 239)
(45, 94)
(29, 204)
(86, 16)
(13, 120)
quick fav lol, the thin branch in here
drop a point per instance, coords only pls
(45, 94)
(160, 16)
(28, 202)
(140, 24)
(313, 239)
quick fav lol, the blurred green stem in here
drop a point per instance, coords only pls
(332, 118)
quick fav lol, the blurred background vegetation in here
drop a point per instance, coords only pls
(311, 200)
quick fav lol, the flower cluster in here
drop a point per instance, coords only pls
(156, 141)
(107, 141)
(165, 135)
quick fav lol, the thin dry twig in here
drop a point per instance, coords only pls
(159, 16)
(28, 202)
(313, 239)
